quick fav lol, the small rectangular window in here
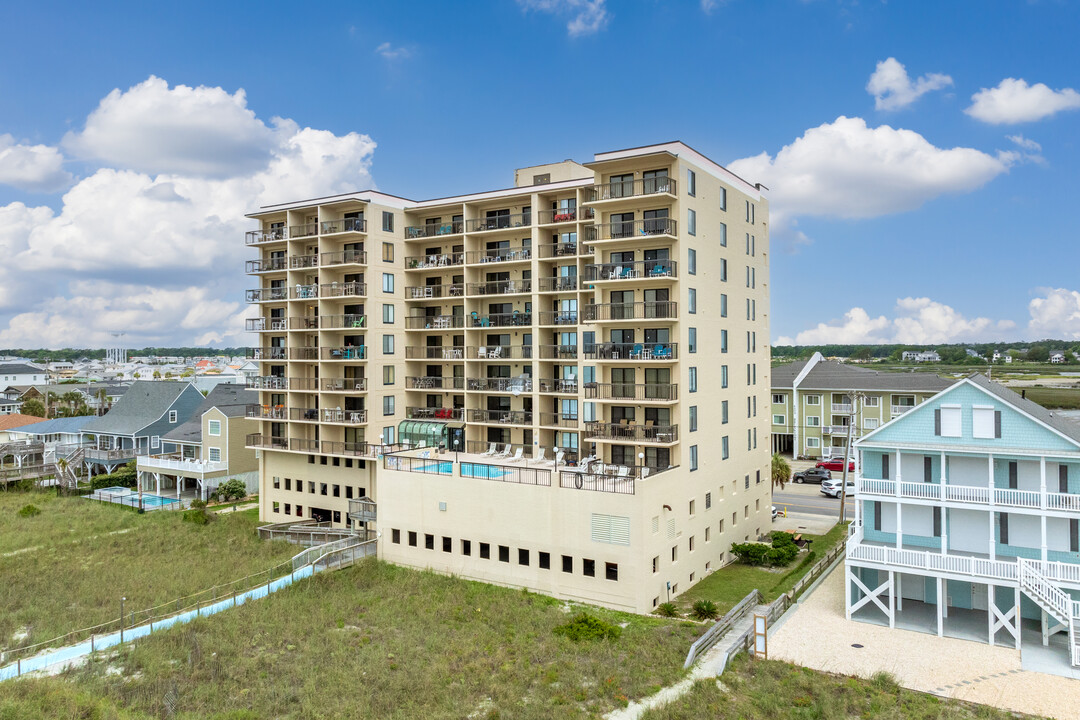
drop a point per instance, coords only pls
(447, 545)
(336, 490)
(692, 379)
(172, 416)
(388, 221)
(412, 538)
(395, 536)
(485, 551)
(214, 428)
(388, 282)
(723, 305)
(544, 560)
(723, 269)
(288, 508)
(691, 183)
(611, 571)
(693, 418)
(466, 547)
(504, 554)
(523, 557)
(692, 340)
(388, 252)
(277, 507)
(588, 568)
(723, 376)
(694, 457)
(388, 405)
(723, 412)
(723, 198)
(656, 564)
(722, 227)
(388, 344)
(388, 375)
(724, 452)
(691, 301)
(691, 222)
(567, 564)
(388, 313)
(708, 503)
(723, 341)
(691, 261)
(429, 541)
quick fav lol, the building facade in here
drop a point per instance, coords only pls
(967, 521)
(814, 401)
(602, 327)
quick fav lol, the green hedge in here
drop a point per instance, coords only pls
(782, 551)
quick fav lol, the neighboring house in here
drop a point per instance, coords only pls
(1057, 357)
(968, 521)
(972, 354)
(206, 450)
(53, 433)
(13, 421)
(135, 424)
(90, 393)
(812, 403)
(7, 407)
(21, 374)
(920, 356)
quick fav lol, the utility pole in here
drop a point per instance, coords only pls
(847, 456)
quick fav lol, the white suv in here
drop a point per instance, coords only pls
(832, 487)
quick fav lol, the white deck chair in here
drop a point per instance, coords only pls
(624, 472)
(540, 459)
(481, 351)
(559, 457)
(505, 452)
(491, 450)
(644, 472)
(496, 352)
(518, 454)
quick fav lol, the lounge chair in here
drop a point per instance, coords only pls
(496, 352)
(624, 472)
(481, 352)
(559, 457)
(505, 451)
(518, 454)
(491, 450)
(644, 472)
(540, 459)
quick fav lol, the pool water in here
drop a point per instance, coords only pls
(115, 490)
(482, 471)
(157, 500)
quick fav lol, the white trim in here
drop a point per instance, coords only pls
(681, 150)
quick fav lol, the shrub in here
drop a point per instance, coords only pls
(587, 627)
(232, 490)
(705, 610)
(667, 609)
(29, 511)
(782, 551)
(197, 513)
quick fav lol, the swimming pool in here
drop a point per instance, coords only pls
(116, 490)
(489, 472)
(155, 500)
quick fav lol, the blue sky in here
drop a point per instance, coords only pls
(937, 208)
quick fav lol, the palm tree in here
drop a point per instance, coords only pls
(781, 470)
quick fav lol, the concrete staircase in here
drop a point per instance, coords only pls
(1054, 601)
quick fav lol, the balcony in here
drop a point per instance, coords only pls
(500, 287)
(303, 384)
(304, 353)
(436, 260)
(434, 352)
(498, 255)
(841, 407)
(498, 352)
(344, 257)
(304, 292)
(558, 317)
(353, 225)
(267, 353)
(421, 292)
(629, 391)
(305, 230)
(267, 412)
(498, 222)
(611, 312)
(641, 269)
(620, 189)
(264, 324)
(435, 413)
(299, 262)
(277, 294)
(558, 352)
(630, 230)
(303, 445)
(342, 322)
(434, 382)
(484, 447)
(277, 264)
(345, 289)
(901, 409)
(344, 384)
(351, 449)
(304, 322)
(258, 440)
(564, 215)
(563, 250)
(338, 416)
(434, 322)
(969, 495)
(562, 420)
(513, 319)
(624, 432)
(258, 237)
(947, 563)
(349, 352)
(266, 382)
(174, 464)
(654, 352)
(567, 283)
(500, 384)
(502, 417)
(835, 429)
(362, 509)
(568, 386)
(427, 230)
(110, 455)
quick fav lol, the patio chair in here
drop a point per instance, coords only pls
(540, 459)
(624, 472)
(496, 352)
(663, 352)
(505, 451)
(518, 455)
(635, 352)
(491, 450)
(559, 457)
(481, 352)
(645, 472)
(616, 273)
(475, 318)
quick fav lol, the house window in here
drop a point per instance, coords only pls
(723, 234)
(388, 344)
(691, 301)
(723, 341)
(723, 269)
(277, 507)
(155, 441)
(723, 198)
(693, 458)
(813, 442)
(567, 564)
(466, 547)
(215, 454)
(692, 382)
(723, 376)
(485, 551)
(277, 483)
(691, 222)
(388, 313)
(388, 221)
(871, 401)
(388, 252)
(388, 405)
(588, 567)
(947, 421)
(172, 416)
(412, 538)
(691, 261)
(395, 536)
(523, 557)
(388, 375)
(544, 560)
(429, 541)
(724, 448)
(691, 182)
(447, 544)
(288, 508)
(723, 305)
(870, 423)
(214, 428)
(723, 412)
(388, 282)
(986, 422)
(692, 340)
(779, 420)
(693, 418)
(611, 571)
(813, 421)
(504, 554)
(810, 399)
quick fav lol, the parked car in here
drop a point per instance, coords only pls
(831, 488)
(775, 512)
(812, 475)
(836, 464)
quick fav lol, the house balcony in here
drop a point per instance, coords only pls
(968, 496)
(362, 509)
(628, 432)
(901, 409)
(499, 255)
(358, 352)
(350, 449)
(568, 386)
(262, 237)
(345, 225)
(304, 292)
(267, 412)
(558, 317)
(172, 464)
(666, 228)
(841, 407)
(835, 429)
(305, 230)
(266, 442)
(498, 352)
(638, 270)
(500, 384)
(265, 324)
(557, 284)
(303, 445)
(278, 264)
(415, 232)
(303, 384)
(558, 352)
(651, 393)
(337, 416)
(434, 322)
(499, 287)
(110, 456)
(624, 189)
(424, 292)
(267, 382)
(304, 353)
(342, 322)
(267, 353)
(435, 413)
(300, 262)
(623, 352)
(343, 290)
(564, 215)
(277, 294)
(304, 323)
(513, 319)
(568, 250)
(560, 420)
(498, 222)
(615, 312)
(344, 384)
(501, 417)
(434, 382)
(343, 257)
(435, 352)
(435, 260)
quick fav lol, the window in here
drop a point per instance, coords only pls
(810, 399)
(395, 536)
(611, 571)
(813, 442)
(692, 508)
(388, 375)
(691, 301)
(311, 486)
(523, 557)
(288, 508)
(172, 416)
(779, 420)
(429, 541)
(674, 553)
(986, 422)
(544, 560)
(388, 282)
(723, 269)
(746, 483)
(447, 544)
(388, 435)
(691, 183)
(723, 376)
(388, 221)
(485, 551)
(693, 418)
(288, 484)
(214, 428)
(724, 449)
(388, 344)
(388, 252)
(466, 547)
(723, 198)
(691, 222)
(723, 341)
(215, 454)
(870, 423)
(691, 261)
(692, 340)
(388, 405)
(567, 564)
(693, 458)
(813, 421)
(723, 305)
(155, 441)
(588, 568)
(871, 401)
(947, 421)
(1003, 528)
(504, 554)
(388, 314)
(277, 483)
(656, 564)
(691, 544)
(412, 538)
(693, 379)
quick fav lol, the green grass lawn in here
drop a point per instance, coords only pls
(78, 565)
(731, 583)
(767, 689)
(1053, 398)
(374, 641)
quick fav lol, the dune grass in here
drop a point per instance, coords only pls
(1053, 398)
(380, 641)
(81, 557)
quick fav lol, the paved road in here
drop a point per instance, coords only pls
(808, 499)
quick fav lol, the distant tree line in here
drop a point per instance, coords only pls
(951, 354)
(72, 354)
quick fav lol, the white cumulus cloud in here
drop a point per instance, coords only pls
(893, 89)
(390, 52)
(37, 168)
(1055, 314)
(1014, 101)
(586, 16)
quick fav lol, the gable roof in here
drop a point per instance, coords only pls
(229, 398)
(17, 420)
(19, 369)
(57, 425)
(835, 375)
(143, 403)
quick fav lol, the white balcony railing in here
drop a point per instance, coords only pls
(982, 568)
(198, 467)
(901, 409)
(841, 407)
(969, 494)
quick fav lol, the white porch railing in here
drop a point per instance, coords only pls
(901, 409)
(841, 407)
(934, 561)
(971, 494)
(199, 467)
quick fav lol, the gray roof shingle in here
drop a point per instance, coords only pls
(833, 375)
(1060, 423)
(143, 403)
(229, 398)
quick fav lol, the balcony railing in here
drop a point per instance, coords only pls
(351, 449)
(304, 230)
(434, 322)
(558, 352)
(266, 382)
(557, 419)
(558, 317)
(563, 215)
(631, 311)
(347, 289)
(630, 391)
(187, 465)
(342, 322)
(330, 227)
(344, 257)
(631, 270)
(484, 447)
(630, 188)
(498, 255)
(303, 445)
(357, 352)
(304, 322)
(267, 353)
(434, 382)
(111, 454)
(500, 287)
(557, 284)
(632, 351)
(434, 413)
(970, 494)
(303, 384)
(436, 260)
(420, 292)
(363, 509)
(567, 386)
(563, 249)
(639, 433)
(267, 412)
(933, 561)
(455, 227)
(899, 409)
(435, 352)
(299, 262)
(477, 320)
(264, 324)
(618, 484)
(267, 295)
(258, 440)
(304, 353)
(835, 429)
(498, 222)
(304, 292)
(501, 384)
(344, 384)
(256, 237)
(343, 417)
(266, 265)
(497, 352)
(630, 229)
(841, 407)
(509, 417)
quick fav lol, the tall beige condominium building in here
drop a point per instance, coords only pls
(562, 386)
